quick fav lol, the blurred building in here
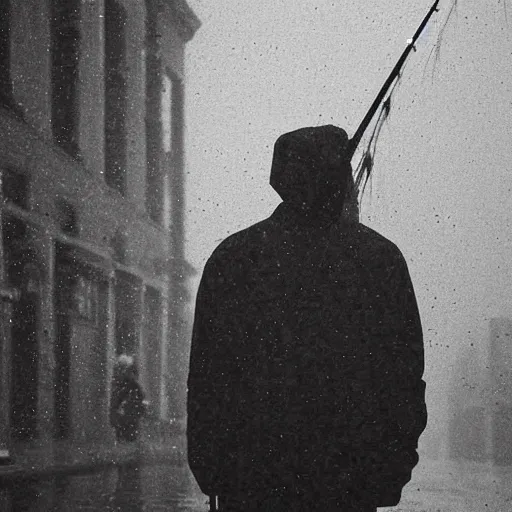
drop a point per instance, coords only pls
(92, 181)
(481, 409)
(500, 398)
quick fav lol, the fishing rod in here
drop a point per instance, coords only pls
(395, 73)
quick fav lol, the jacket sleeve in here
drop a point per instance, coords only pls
(207, 429)
(407, 351)
(399, 372)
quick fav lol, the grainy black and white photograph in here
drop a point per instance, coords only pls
(255, 256)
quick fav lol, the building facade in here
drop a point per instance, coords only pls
(92, 181)
(481, 409)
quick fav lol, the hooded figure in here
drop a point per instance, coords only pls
(305, 389)
(127, 406)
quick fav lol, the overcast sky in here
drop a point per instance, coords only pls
(442, 187)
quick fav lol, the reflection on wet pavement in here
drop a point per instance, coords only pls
(125, 488)
(435, 487)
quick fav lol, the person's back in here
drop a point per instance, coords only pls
(306, 363)
(127, 407)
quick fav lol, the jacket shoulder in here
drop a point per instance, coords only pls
(374, 244)
(240, 244)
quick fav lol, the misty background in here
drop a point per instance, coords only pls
(441, 187)
(105, 107)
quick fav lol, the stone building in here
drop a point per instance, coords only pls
(92, 182)
(481, 402)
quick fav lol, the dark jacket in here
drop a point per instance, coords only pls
(306, 362)
(127, 408)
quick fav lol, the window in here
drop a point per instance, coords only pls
(167, 208)
(166, 114)
(67, 218)
(127, 313)
(86, 298)
(154, 151)
(65, 29)
(159, 141)
(118, 245)
(14, 236)
(115, 95)
(14, 188)
(5, 53)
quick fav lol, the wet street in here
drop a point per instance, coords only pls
(435, 487)
(129, 488)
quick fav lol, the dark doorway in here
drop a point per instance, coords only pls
(63, 304)
(25, 353)
(62, 374)
(24, 367)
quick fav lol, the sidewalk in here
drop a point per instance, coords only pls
(38, 459)
(457, 486)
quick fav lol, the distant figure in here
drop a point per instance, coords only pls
(127, 407)
(305, 389)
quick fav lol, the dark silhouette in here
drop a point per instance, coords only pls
(305, 389)
(127, 407)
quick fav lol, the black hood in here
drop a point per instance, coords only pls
(310, 163)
